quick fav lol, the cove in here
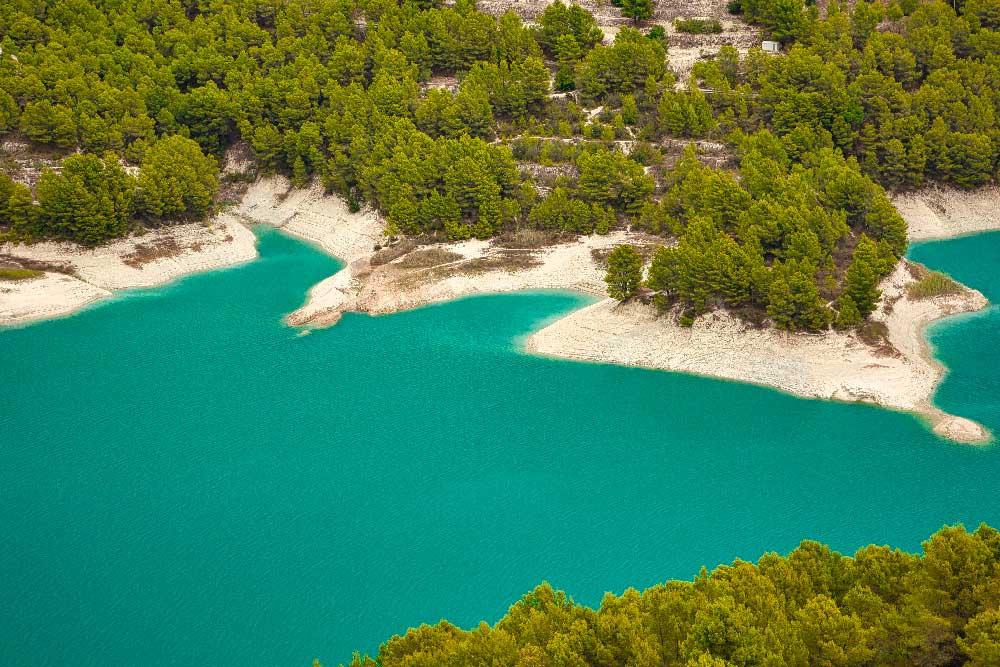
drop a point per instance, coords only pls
(186, 481)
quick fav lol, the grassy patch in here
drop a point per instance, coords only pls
(391, 252)
(933, 284)
(531, 238)
(20, 274)
(698, 26)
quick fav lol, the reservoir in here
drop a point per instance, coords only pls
(185, 480)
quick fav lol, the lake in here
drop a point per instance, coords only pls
(188, 481)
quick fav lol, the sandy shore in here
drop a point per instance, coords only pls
(901, 374)
(51, 295)
(88, 274)
(448, 271)
(379, 283)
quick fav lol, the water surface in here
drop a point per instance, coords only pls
(187, 481)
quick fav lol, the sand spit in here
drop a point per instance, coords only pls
(154, 258)
(900, 374)
(938, 213)
(442, 272)
(412, 276)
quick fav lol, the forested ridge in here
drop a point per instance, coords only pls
(356, 94)
(813, 608)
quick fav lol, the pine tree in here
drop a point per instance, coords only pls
(848, 316)
(624, 272)
(862, 277)
(638, 10)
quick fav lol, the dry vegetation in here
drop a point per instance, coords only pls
(508, 259)
(645, 250)
(422, 259)
(11, 262)
(930, 284)
(143, 253)
(391, 252)
(532, 239)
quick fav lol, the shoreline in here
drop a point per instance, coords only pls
(830, 366)
(381, 278)
(938, 213)
(86, 275)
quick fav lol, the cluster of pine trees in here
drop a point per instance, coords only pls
(911, 90)
(814, 607)
(91, 198)
(767, 244)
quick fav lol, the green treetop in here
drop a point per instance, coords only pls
(624, 274)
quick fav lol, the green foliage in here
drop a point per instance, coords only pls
(89, 201)
(770, 242)
(637, 10)
(48, 123)
(793, 299)
(176, 180)
(933, 284)
(611, 178)
(19, 274)
(559, 210)
(622, 67)
(624, 275)
(910, 102)
(787, 20)
(881, 607)
(684, 113)
(861, 280)
(559, 20)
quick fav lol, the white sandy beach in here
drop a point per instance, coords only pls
(941, 213)
(45, 297)
(154, 258)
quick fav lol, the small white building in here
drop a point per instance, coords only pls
(767, 46)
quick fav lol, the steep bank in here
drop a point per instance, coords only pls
(941, 213)
(87, 274)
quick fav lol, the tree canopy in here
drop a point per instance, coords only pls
(814, 606)
(443, 119)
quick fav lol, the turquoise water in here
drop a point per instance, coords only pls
(186, 481)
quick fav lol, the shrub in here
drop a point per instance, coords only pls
(933, 284)
(19, 274)
(698, 26)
